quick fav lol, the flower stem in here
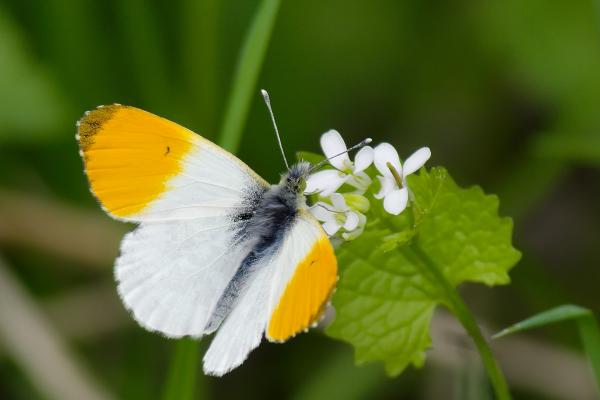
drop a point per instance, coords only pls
(460, 310)
(183, 374)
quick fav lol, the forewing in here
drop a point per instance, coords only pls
(143, 167)
(171, 274)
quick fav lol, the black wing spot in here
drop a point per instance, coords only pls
(168, 150)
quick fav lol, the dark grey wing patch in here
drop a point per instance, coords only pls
(232, 292)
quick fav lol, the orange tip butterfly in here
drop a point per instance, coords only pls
(216, 248)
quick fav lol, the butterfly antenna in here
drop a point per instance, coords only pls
(268, 103)
(356, 146)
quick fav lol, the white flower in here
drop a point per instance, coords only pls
(362, 221)
(394, 189)
(328, 181)
(338, 215)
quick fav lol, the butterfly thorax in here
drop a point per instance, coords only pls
(280, 204)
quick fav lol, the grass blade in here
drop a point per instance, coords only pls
(586, 324)
(184, 368)
(558, 314)
(248, 67)
(200, 68)
(590, 337)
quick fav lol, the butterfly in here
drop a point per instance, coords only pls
(216, 248)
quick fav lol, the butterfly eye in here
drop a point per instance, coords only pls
(302, 185)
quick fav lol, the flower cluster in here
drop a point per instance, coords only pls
(343, 213)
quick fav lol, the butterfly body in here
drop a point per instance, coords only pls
(216, 247)
(269, 215)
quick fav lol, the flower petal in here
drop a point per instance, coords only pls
(332, 145)
(395, 202)
(416, 160)
(320, 211)
(327, 180)
(331, 227)
(362, 220)
(387, 185)
(363, 159)
(386, 153)
(335, 185)
(360, 181)
(351, 221)
(339, 203)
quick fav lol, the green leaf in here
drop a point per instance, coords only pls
(395, 240)
(387, 293)
(586, 323)
(460, 229)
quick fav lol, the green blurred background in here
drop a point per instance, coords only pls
(505, 93)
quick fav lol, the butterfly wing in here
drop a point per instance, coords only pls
(305, 282)
(143, 167)
(171, 274)
(286, 295)
(189, 196)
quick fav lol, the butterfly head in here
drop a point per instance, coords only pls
(295, 178)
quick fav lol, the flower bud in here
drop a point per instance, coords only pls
(357, 202)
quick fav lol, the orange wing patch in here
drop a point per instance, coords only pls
(130, 155)
(307, 293)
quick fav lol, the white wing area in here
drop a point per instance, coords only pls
(171, 274)
(244, 328)
(211, 183)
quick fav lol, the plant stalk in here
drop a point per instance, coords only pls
(181, 384)
(460, 310)
(183, 373)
